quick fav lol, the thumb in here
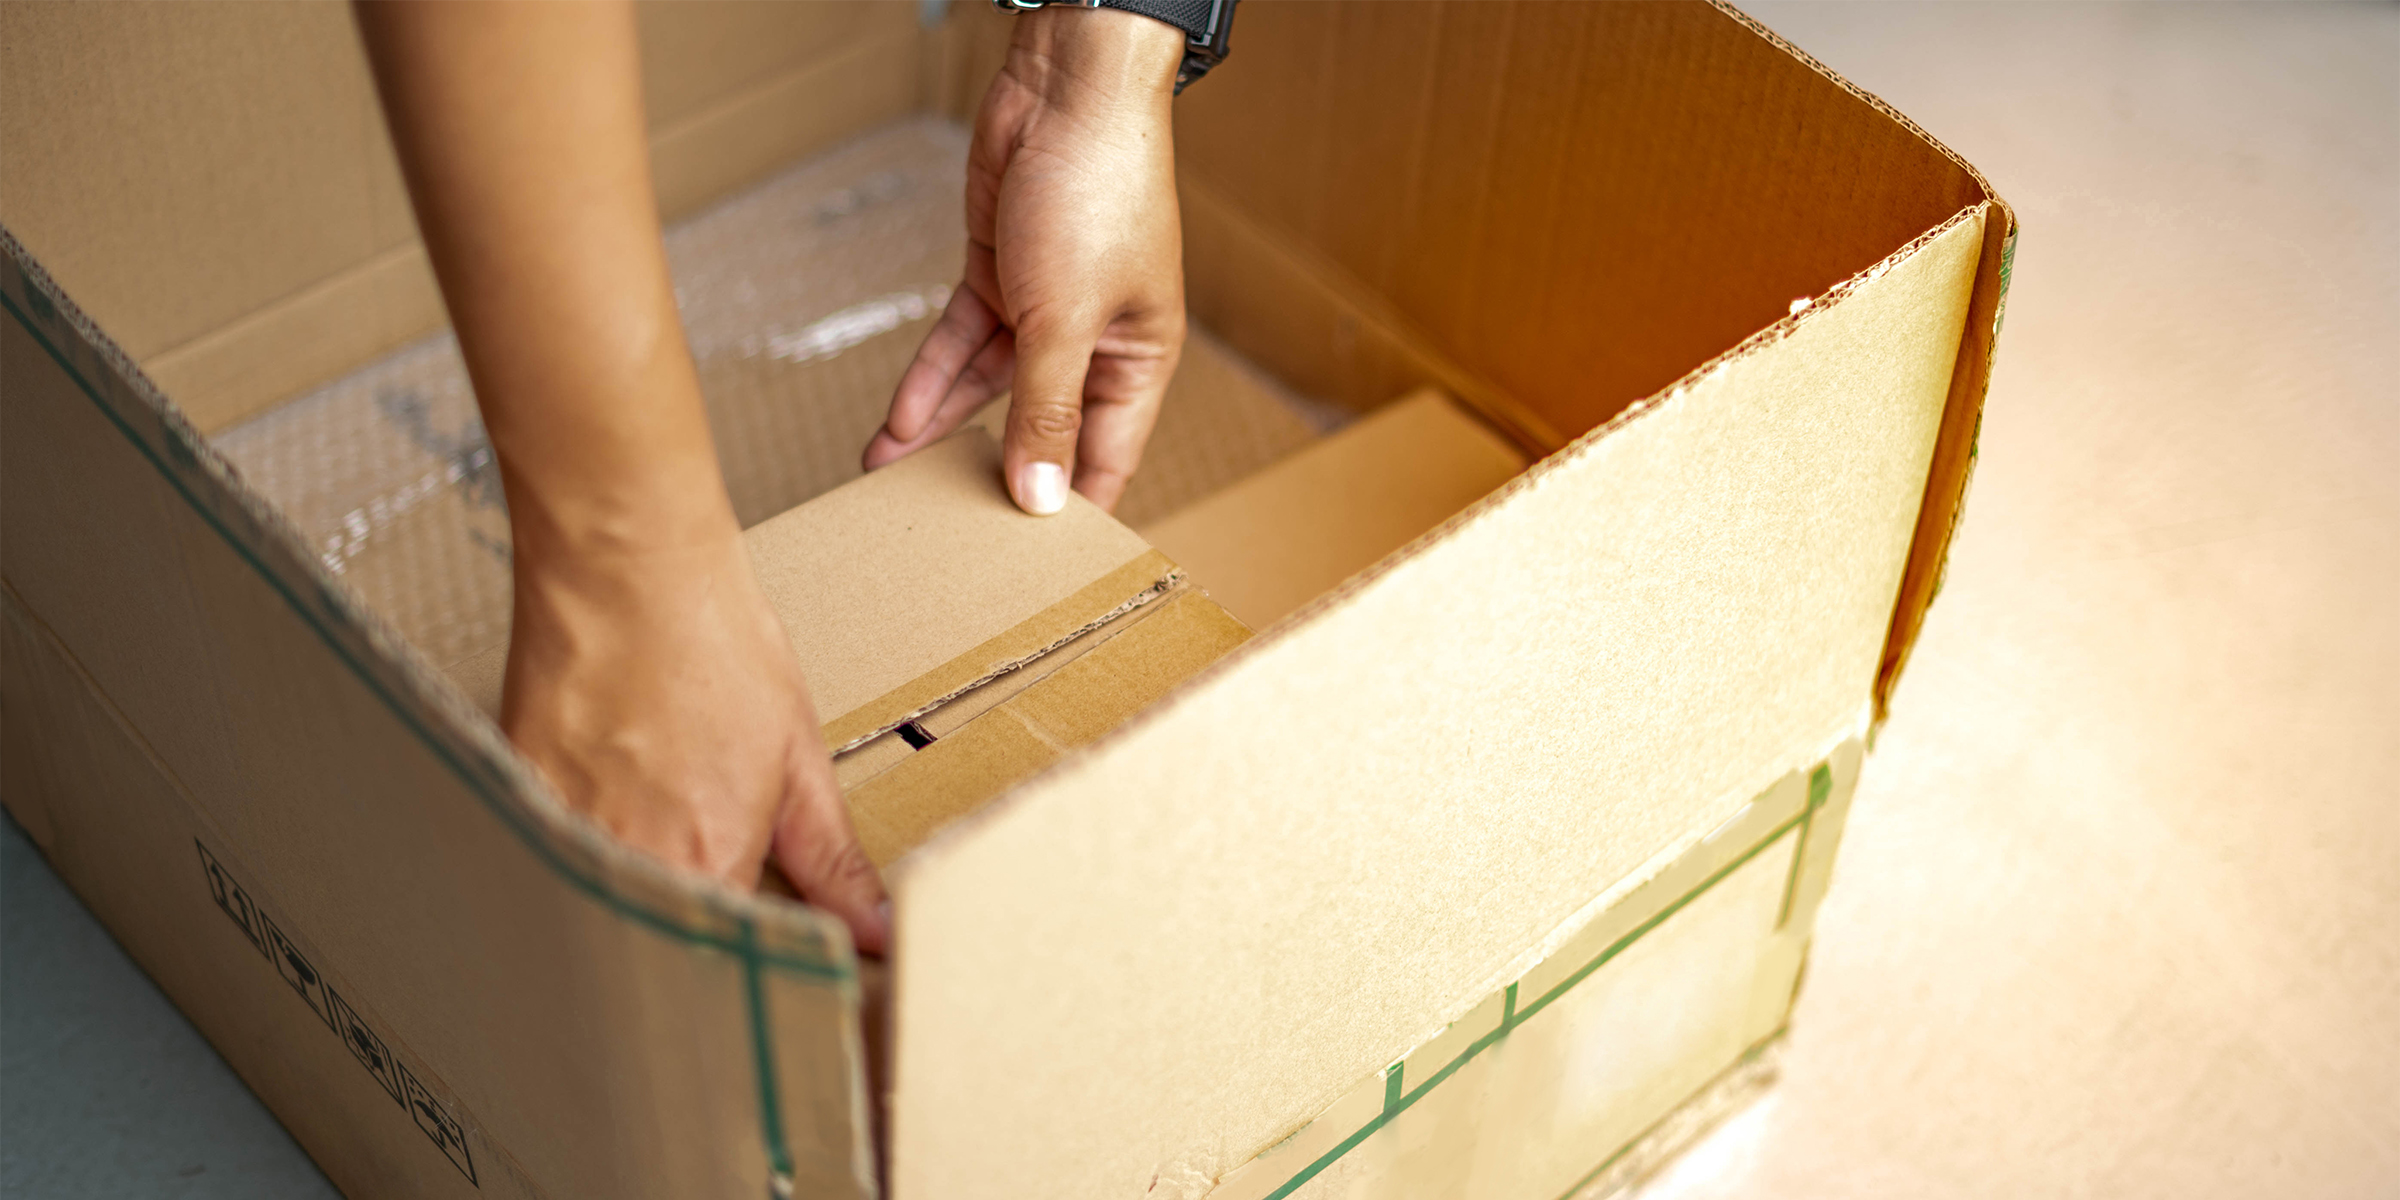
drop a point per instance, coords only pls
(819, 851)
(1045, 413)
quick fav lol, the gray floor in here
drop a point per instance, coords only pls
(2115, 912)
(105, 1090)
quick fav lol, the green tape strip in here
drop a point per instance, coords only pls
(762, 1049)
(1820, 786)
(1397, 1101)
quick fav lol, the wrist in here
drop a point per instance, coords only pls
(1096, 57)
(639, 523)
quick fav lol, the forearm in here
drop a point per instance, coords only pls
(520, 129)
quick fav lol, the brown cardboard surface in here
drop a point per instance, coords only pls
(1425, 150)
(1670, 658)
(1283, 537)
(1378, 238)
(1328, 332)
(1072, 705)
(174, 95)
(918, 580)
(950, 553)
(866, 76)
(146, 867)
(1021, 648)
(1165, 950)
(891, 588)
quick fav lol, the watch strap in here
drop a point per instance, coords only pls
(1206, 25)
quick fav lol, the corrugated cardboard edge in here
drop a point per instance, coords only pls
(767, 935)
(1121, 591)
(1962, 418)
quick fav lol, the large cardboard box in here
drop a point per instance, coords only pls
(1487, 870)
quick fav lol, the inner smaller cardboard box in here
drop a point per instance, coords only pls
(1288, 534)
(955, 646)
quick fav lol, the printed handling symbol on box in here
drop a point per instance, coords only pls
(302, 976)
(298, 972)
(438, 1124)
(367, 1048)
(230, 897)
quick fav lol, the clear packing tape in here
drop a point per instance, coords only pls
(804, 298)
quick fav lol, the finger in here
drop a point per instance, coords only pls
(1122, 398)
(1045, 416)
(966, 327)
(817, 848)
(985, 376)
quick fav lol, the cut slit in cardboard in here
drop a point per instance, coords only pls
(1563, 747)
(920, 597)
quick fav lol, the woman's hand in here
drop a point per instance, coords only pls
(1074, 280)
(658, 692)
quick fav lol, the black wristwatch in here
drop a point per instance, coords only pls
(1205, 25)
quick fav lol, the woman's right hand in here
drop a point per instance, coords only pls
(657, 690)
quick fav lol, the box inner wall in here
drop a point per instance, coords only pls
(805, 298)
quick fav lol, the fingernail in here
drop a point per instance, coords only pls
(883, 913)
(1042, 488)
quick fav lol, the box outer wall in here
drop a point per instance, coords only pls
(1280, 275)
(187, 549)
(549, 989)
(1269, 906)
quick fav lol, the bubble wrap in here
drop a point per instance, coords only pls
(804, 298)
